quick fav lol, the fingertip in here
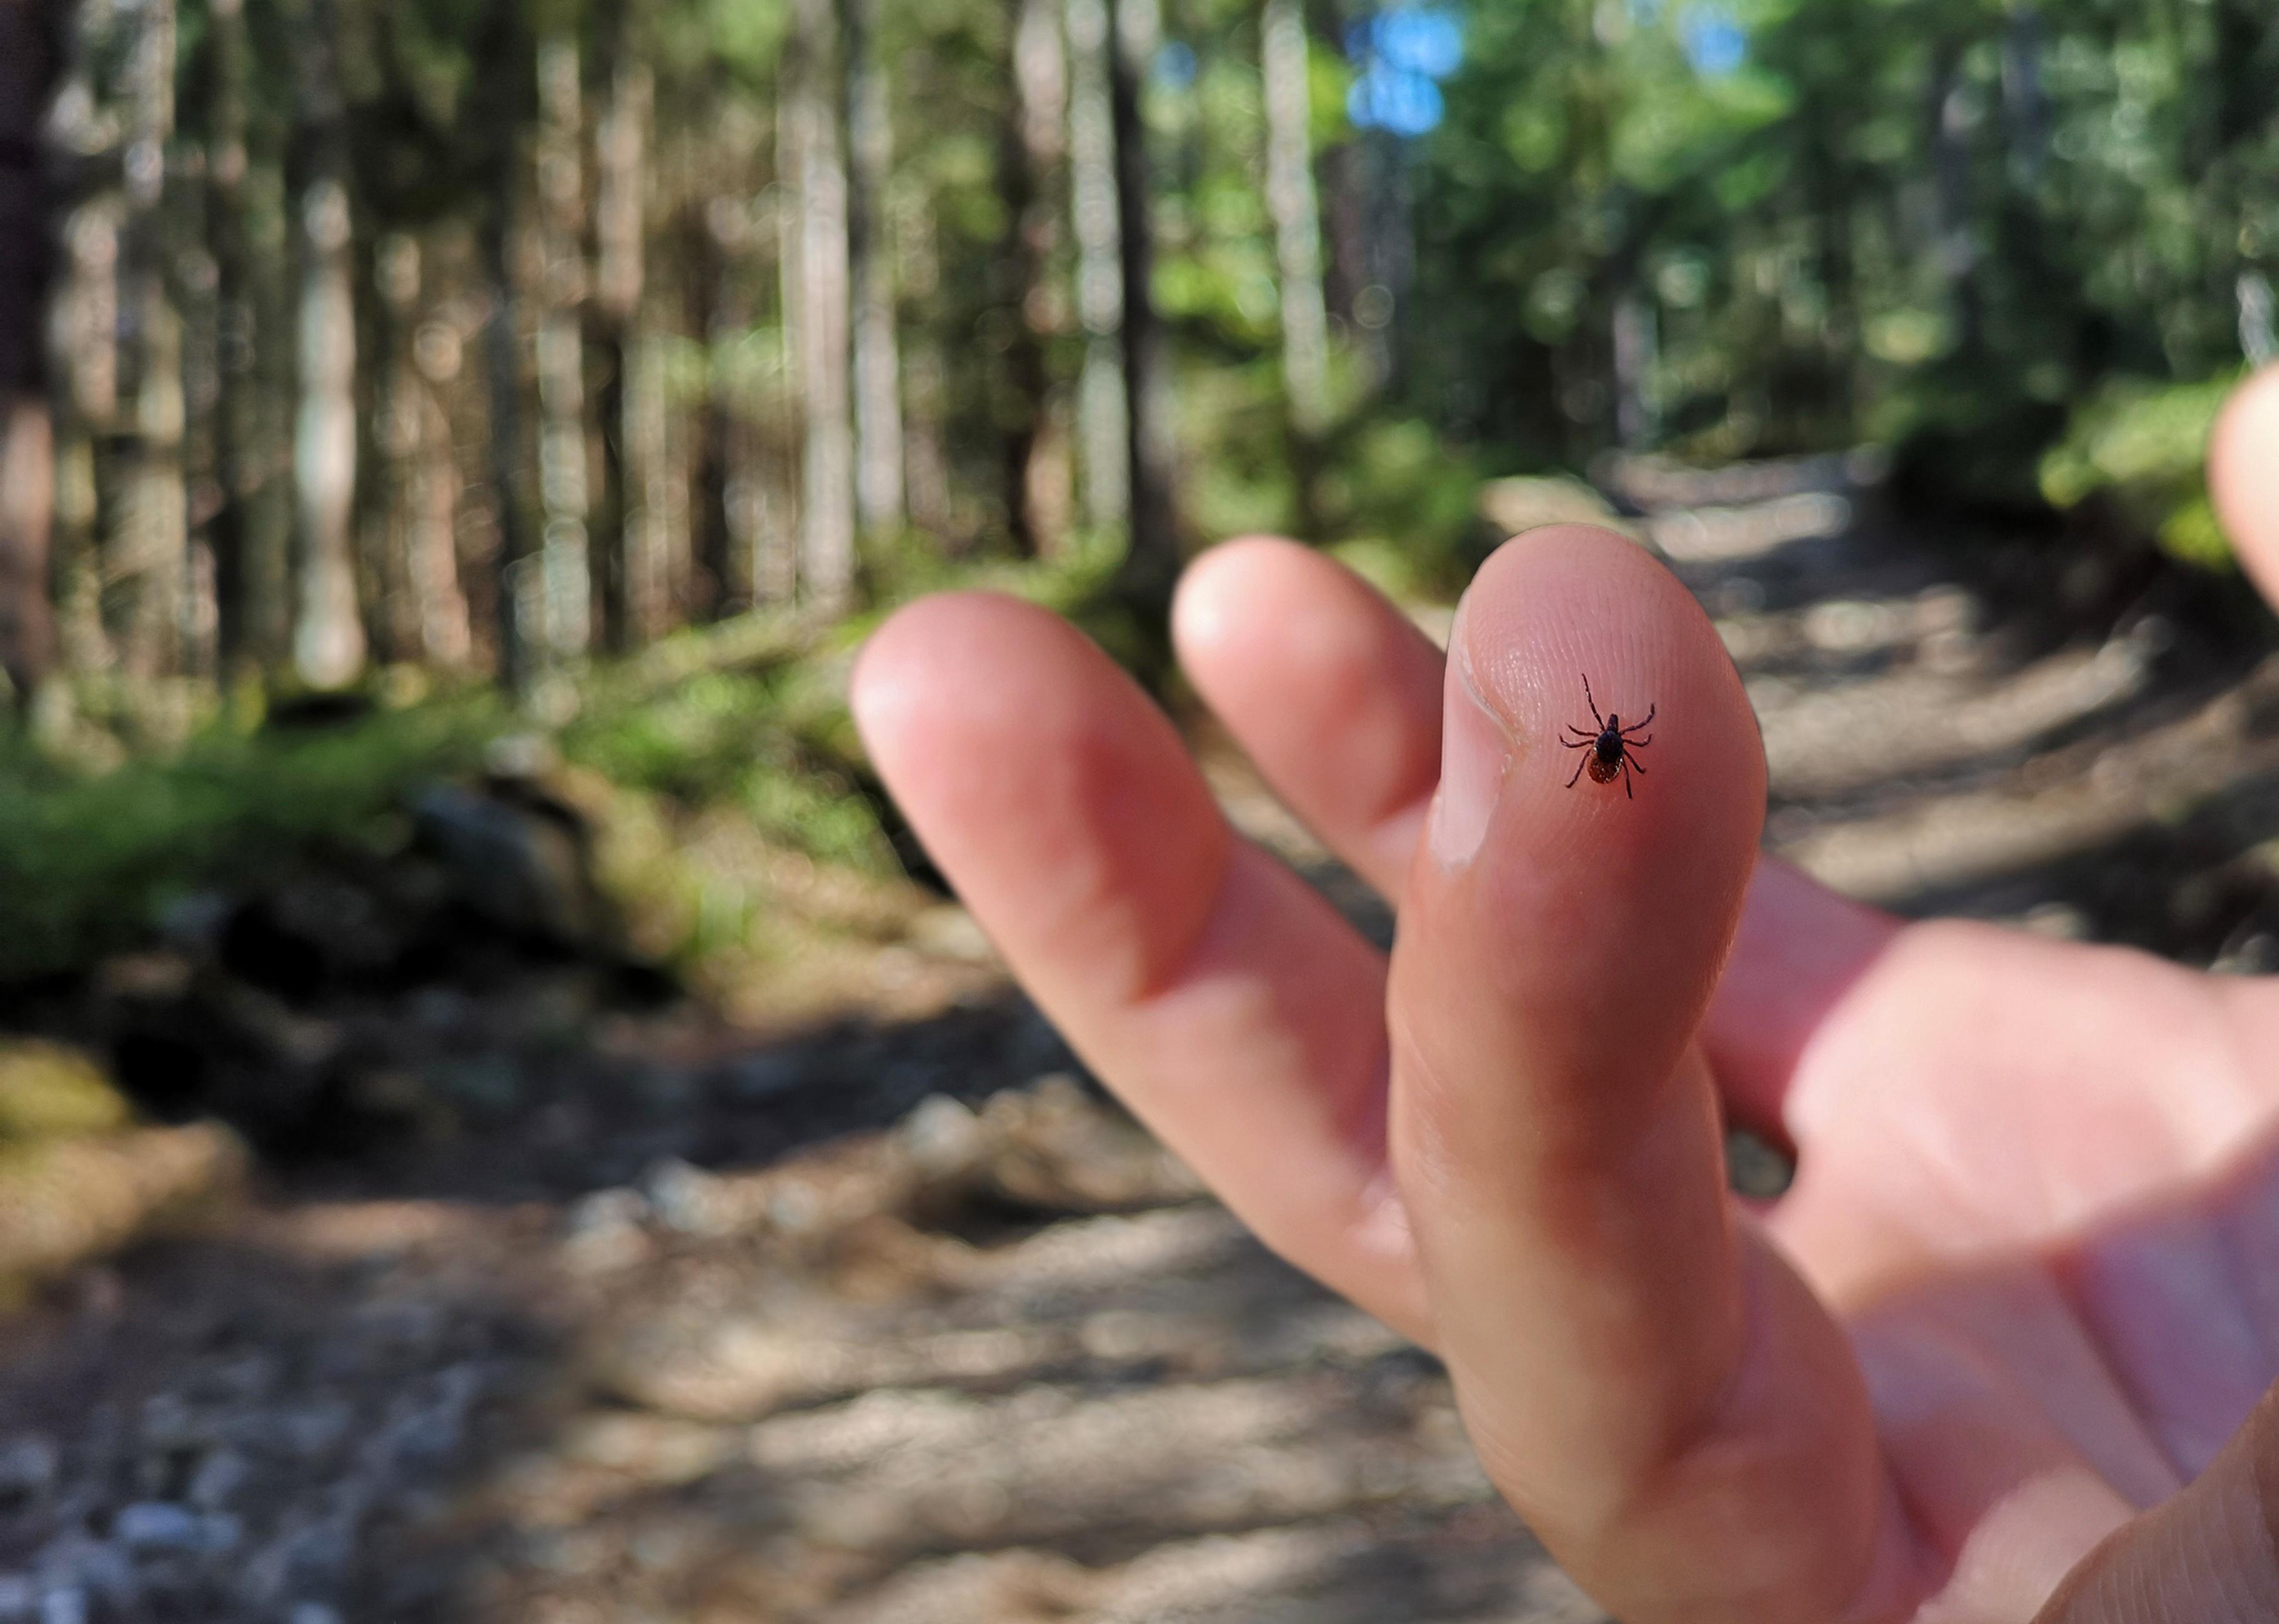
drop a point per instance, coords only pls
(958, 661)
(1571, 626)
(1206, 611)
(1334, 692)
(891, 670)
(1053, 793)
(2243, 477)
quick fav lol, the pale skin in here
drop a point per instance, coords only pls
(2001, 1354)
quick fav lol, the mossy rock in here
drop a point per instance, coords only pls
(48, 1092)
(64, 1202)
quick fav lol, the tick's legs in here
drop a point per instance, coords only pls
(1636, 744)
(1630, 760)
(1594, 704)
(1585, 761)
(1628, 794)
(1578, 744)
(1651, 711)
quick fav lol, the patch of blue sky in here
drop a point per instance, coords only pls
(1716, 41)
(1386, 98)
(1420, 39)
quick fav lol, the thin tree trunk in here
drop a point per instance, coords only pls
(2025, 100)
(389, 303)
(89, 337)
(632, 583)
(514, 596)
(328, 634)
(1290, 198)
(150, 545)
(656, 519)
(86, 397)
(28, 66)
(1957, 249)
(446, 627)
(427, 609)
(1636, 343)
(1037, 474)
(713, 579)
(250, 529)
(328, 639)
(189, 231)
(811, 162)
(925, 378)
(879, 452)
(1103, 443)
(235, 639)
(565, 559)
(272, 372)
(1151, 566)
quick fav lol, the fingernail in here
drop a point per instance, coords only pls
(1474, 751)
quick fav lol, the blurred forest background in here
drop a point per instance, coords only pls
(420, 366)
(490, 337)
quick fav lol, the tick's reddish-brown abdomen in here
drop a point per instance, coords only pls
(1603, 769)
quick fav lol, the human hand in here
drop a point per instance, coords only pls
(1997, 1354)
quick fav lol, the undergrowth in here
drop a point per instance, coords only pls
(93, 856)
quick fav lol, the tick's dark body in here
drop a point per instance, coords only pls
(1611, 748)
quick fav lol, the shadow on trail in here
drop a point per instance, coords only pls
(2201, 889)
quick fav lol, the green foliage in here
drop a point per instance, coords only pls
(2140, 448)
(725, 719)
(767, 742)
(89, 861)
(1940, 223)
(1404, 507)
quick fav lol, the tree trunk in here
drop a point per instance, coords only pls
(87, 319)
(656, 504)
(250, 529)
(389, 300)
(27, 74)
(1102, 441)
(1636, 352)
(328, 639)
(1151, 566)
(328, 634)
(812, 164)
(2025, 100)
(1036, 451)
(1957, 247)
(564, 551)
(150, 546)
(428, 611)
(879, 452)
(237, 653)
(632, 582)
(715, 581)
(519, 632)
(1290, 198)
(925, 378)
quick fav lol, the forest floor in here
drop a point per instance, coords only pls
(889, 1318)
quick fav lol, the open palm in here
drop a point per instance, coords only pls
(1988, 1359)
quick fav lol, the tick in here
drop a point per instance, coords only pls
(1612, 749)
